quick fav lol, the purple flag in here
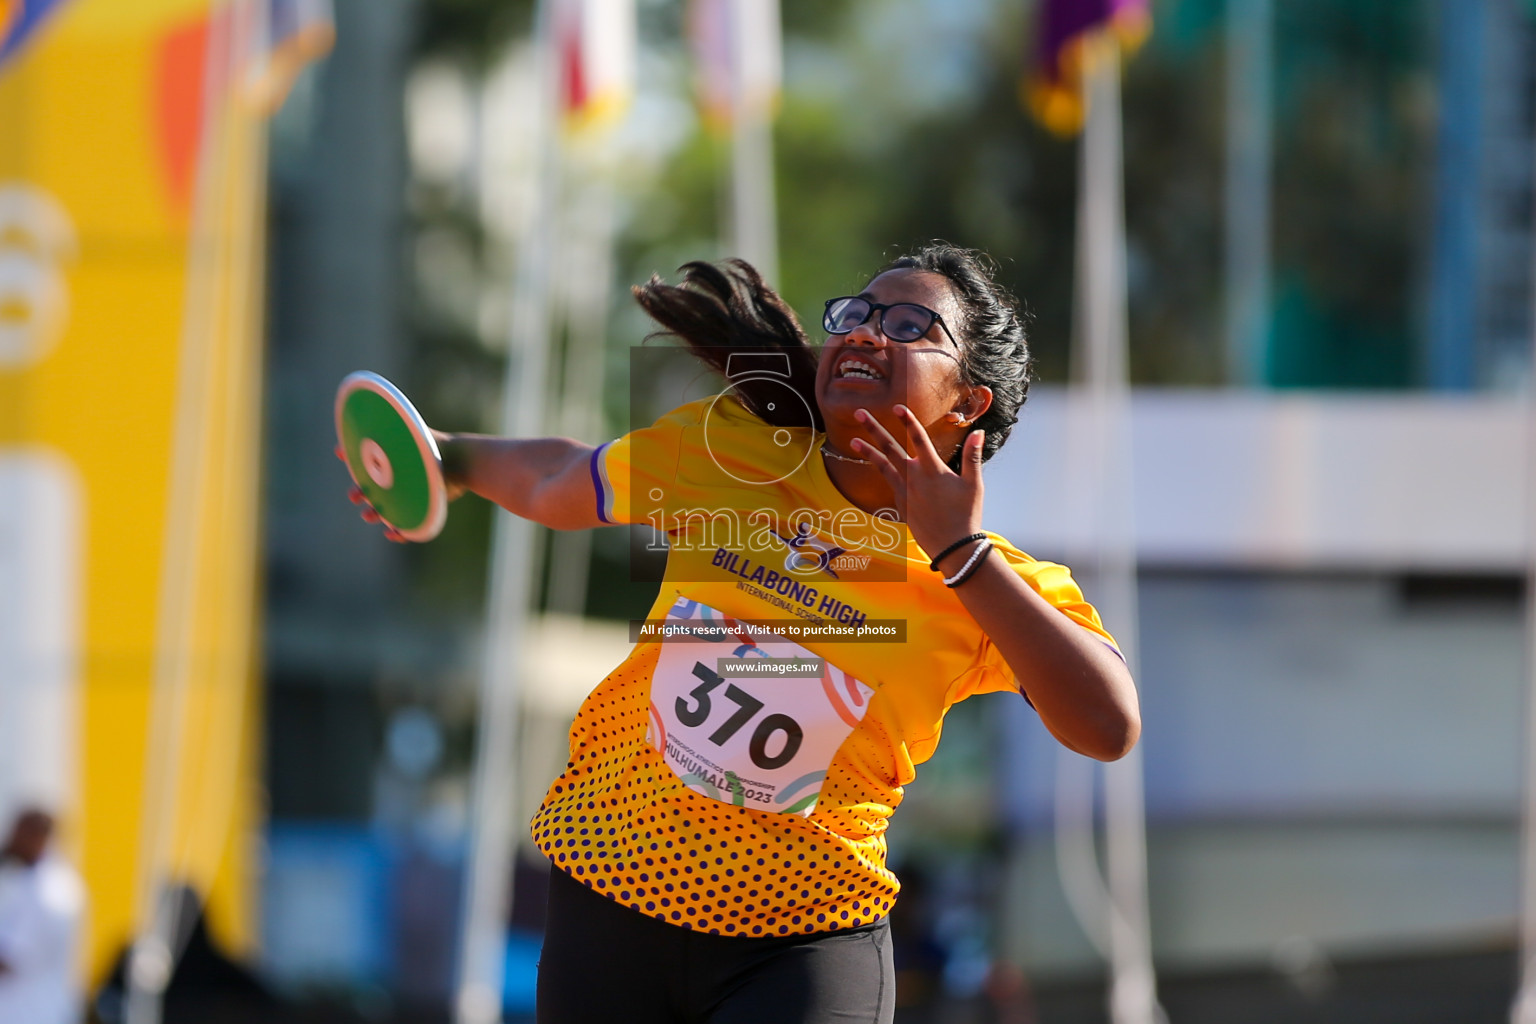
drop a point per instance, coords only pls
(1053, 86)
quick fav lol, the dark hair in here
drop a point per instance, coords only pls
(995, 349)
(727, 309)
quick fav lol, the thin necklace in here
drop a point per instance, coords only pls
(829, 453)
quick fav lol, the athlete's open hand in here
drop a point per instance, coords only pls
(938, 505)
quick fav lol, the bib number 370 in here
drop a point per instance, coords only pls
(754, 739)
(747, 707)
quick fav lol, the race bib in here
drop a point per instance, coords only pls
(751, 718)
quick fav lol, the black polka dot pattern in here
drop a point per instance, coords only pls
(620, 821)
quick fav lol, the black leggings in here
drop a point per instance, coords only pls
(604, 963)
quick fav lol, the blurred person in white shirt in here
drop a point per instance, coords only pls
(42, 905)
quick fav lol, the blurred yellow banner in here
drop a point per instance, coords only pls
(130, 256)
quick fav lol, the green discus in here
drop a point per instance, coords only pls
(391, 455)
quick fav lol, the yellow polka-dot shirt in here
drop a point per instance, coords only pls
(704, 789)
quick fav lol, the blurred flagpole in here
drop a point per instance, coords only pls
(1524, 1009)
(583, 50)
(738, 49)
(587, 278)
(254, 50)
(1084, 37)
(487, 903)
(598, 82)
(157, 909)
(1250, 30)
(1101, 259)
(756, 48)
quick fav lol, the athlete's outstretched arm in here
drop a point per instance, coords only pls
(545, 479)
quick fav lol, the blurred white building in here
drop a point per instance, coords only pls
(1331, 672)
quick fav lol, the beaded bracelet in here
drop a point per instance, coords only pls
(968, 569)
(962, 542)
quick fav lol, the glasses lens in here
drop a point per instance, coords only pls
(843, 315)
(906, 322)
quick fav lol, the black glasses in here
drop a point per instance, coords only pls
(901, 321)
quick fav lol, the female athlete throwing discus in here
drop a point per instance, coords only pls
(718, 836)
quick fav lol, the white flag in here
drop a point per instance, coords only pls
(596, 43)
(738, 51)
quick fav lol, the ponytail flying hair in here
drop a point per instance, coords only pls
(726, 309)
